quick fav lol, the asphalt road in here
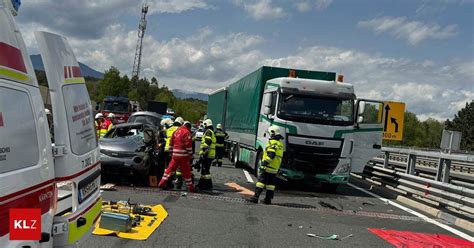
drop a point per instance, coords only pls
(222, 218)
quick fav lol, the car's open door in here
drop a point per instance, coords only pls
(77, 165)
(368, 133)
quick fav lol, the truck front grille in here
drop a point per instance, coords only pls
(313, 160)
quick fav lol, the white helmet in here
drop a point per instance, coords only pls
(219, 126)
(187, 123)
(163, 122)
(207, 123)
(99, 116)
(169, 122)
(179, 120)
(111, 115)
(274, 130)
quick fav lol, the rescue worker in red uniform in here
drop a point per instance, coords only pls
(182, 152)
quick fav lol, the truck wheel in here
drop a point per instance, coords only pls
(231, 153)
(256, 169)
(235, 156)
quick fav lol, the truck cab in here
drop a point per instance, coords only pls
(61, 180)
(119, 106)
(328, 132)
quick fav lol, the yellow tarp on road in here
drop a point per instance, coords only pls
(142, 231)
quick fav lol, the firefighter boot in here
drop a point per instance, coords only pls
(268, 197)
(254, 198)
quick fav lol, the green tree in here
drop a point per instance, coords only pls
(463, 122)
(113, 84)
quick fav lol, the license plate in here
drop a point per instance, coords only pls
(88, 186)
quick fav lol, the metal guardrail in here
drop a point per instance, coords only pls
(444, 163)
(442, 194)
(444, 180)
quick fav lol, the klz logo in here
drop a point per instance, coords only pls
(314, 143)
(25, 224)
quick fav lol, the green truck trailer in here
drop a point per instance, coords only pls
(327, 131)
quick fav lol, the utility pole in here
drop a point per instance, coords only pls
(138, 51)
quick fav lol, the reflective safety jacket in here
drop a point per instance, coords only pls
(169, 134)
(182, 143)
(273, 155)
(220, 137)
(105, 127)
(208, 144)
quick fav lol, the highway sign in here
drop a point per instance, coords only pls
(393, 122)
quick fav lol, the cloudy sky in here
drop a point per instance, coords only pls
(417, 51)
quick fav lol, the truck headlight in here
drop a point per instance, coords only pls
(343, 168)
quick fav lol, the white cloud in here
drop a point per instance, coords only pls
(303, 6)
(205, 61)
(90, 18)
(261, 9)
(437, 91)
(412, 31)
(322, 4)
(307, 5)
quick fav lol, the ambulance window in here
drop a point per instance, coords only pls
(18, 140)
(82, 132)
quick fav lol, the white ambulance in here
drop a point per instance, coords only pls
(61, 179)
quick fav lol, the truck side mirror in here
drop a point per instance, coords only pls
(267, 100)
(361, 107)
(267, 110)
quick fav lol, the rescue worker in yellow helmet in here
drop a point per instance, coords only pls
(221, 136)
(269, 166)
(207, 153)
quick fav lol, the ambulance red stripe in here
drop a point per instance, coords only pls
(32, 200)
(77, 174)
(11, 57)
(12, 195)
(76, 71)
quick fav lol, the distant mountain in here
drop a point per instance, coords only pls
(183, 94)
(85, 69)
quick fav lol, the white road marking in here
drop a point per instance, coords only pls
(422, 216)
(247, 175)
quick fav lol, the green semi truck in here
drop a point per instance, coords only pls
(328, 131)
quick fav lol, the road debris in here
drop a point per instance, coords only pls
(300, 227)
(184, 194)
(330, 206)
(331, 237)
(368, 203)
(290, 224)
(348, 236)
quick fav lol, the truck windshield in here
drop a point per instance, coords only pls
(312, 109)
(116, 107)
